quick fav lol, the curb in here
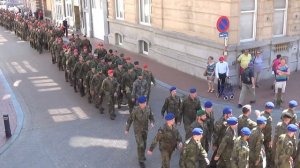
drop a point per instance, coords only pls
(19, 115)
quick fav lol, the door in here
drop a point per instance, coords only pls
(98, 18)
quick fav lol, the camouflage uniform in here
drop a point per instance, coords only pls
(140, 118)
(100, 52)
(255, 143)
(188, 111)
(191, 154)
(205, 139)
(172, 105)
(225, 149)
(240, 154)
(118, 74)
(210, 120)
(285, 149)
(127, 84)
(267, 131)
(245, 121)
(110, 88)
(281, 128)
(95, 89)
(292, 113)
(139, 88)
(168, 138)
(77, 81)
(148, 76)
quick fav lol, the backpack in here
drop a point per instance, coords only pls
(246, 78)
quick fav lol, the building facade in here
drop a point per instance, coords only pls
(182, 34)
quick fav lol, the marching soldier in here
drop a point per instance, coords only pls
(292, 106)
(127, 84)
(96, 89)
(225, 149)
(193, 151)
(72, 60)
(172, 105)
(148, 76)
(110, 88)
(100, 52)
(281, 128)
(189, 108)
(119, 71)
(86, 42)
(168, 138)
(285, 148)
(77, 78)
(244, 120)
(141, 117)
(139, 88)
(210, 120)
(256, 143)
(240, 152)
(89, 77)
(267, 131)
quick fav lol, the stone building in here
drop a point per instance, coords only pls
(182, 34)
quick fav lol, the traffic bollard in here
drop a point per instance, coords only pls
(7, 126)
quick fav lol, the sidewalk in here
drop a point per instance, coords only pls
(6, 107)
(185, 81)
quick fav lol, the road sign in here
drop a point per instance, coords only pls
(223, 24)
(223, 34)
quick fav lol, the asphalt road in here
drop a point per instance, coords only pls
(61, 129)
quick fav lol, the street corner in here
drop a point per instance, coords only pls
(11, 115)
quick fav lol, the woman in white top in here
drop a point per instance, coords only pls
(222, 72)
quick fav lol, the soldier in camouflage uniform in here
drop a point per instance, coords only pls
(267, 131)
(285, 148)
(256, 143)
(100, 51)
(189, 108)
(110, 88)
(65, 58)
(127, 84)
(200, 122)
(225, 149)
(292, 110)
(77, 41)
(72, 60)
(210, 120)
(240, 152)
(148, 76)
(141, 117)
(281, 128)
(193, 151)
(58, 52)
(244, 120)
(89, 78)
(172, 104)
(139, 88)
(77, 78)
(127, 63)
(96, 89)
(84, 70)
(168, 138)
(86, 42)
(119, 72)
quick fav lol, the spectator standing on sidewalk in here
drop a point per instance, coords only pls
(258, 66)
(66, 26)
(210, 73)
(282, 73)
(248, 85)
(275, 64)
(221, 72)
(244, 59)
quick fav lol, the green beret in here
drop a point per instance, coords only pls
(200, 112)
(130, 66)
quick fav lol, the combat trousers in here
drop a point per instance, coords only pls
(75, 82)
(98, 99)
(224, 163)
(67, 75)
(268, 152)
(111, 106)
(130, 103)
(141, 141)
(187, 123)
(165, 158)
(80, 87)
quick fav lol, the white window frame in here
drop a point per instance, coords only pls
(142, 16)
(119, 39)
(69, 10)
(284, 19)
(93, 4)
(254, 22)
(143, 47)
(119, 8)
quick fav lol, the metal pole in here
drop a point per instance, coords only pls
(7, 126)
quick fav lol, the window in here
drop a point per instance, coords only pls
(119, 9)
(280, 17)
(145, 11)
(144, 47)
(58, 10)
(248, 20)
(119, 39)
(69, 10)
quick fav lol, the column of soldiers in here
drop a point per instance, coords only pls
(103, 75)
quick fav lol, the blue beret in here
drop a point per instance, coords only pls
(208, 104)
(227, 110)
(142, 99)
(293, 103)
(261, 120)
(172, 88)
(269, 105)
(197, 131)
(246, 131)
(169, 116)
(292, 128)
(232, 121)
(193, 90)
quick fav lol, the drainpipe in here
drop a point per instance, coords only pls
(106, 24)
